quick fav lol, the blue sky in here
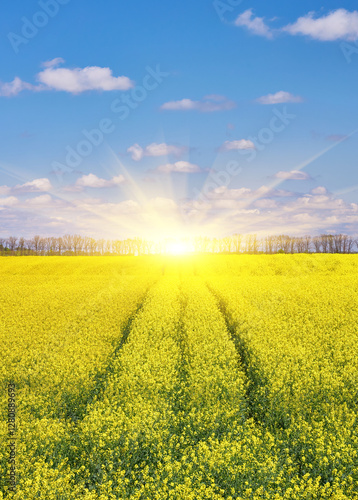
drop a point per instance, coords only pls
(171, 119)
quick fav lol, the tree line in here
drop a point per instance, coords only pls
(236, 243)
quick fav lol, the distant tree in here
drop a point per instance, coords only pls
(11, 243)
(22, 245)
(317, 243)
(307, 243)
(36, 243)
(2, 246)
(77, 243)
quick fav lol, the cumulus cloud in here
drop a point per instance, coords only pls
(4, 190)
(319, 190)
(222, 210)
(92, 181)
(339, 24)
(35, 186)
(154, 149)
(179, 166)
(8, 202)
(336, 25)
(255, 25)
(295, 175)
(236, 145)
(43, 199)
(74, 81)
(136, 152)
(208, 104)
(223, 192)
(279, 98)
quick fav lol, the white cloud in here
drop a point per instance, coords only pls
(79, 80)
(163, 149)
(224, 192)
(4, 190)
(37, 185)
(10, 89)
(266, 203)
(43, 199)
(221, 211)
(136, 152)
(179, 166)
(53, 62)
(296, 175)
(74, 80)
(208, 104)
(319, 190)
(92, 181)
(8, 202)
(238, 144)
(279, 97)
(255, 25)
(337, 25)
(154, 149)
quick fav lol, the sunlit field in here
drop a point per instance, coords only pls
(181, 377)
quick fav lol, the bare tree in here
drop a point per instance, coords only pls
(77, 243)
(60, 245)
(2, 245)
(68, 243)
(11, 243)
(317, 243)
(307, 243)
(21, 245)
(300, 245)
(324, 243)
(36, 243)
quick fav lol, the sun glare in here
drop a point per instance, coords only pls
(177, 248)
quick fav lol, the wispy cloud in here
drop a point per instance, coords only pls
(179, 166)
(337, 25)
(35, 186)
(279, 98)
(13, 88)
(336, 137)
(74, 81)
(208, 104)
(319, 190)
(155, 149)
(262, 210)
(295, 175)
(92, 181)
(236, 145)
(255, 25)
(8, 202)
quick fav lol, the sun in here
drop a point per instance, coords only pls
(177, 248)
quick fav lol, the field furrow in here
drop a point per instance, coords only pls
(299, 389)
(202, 377)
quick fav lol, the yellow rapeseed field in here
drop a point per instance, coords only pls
(192, 377)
